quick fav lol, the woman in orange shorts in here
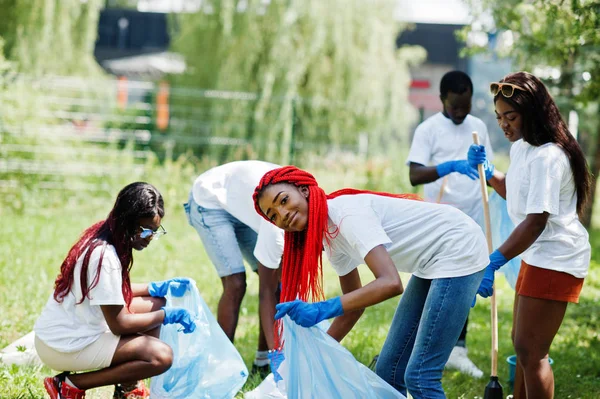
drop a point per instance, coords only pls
(546, 188)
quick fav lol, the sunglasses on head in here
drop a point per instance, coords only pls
(154, 234)
(507, 89)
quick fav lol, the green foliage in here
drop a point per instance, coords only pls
(51, 36)
(305, 71)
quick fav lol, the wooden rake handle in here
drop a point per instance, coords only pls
(488, 236)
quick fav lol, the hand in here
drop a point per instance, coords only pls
(486, 288)
(461, 166)
(181, 316)
(178, 286)
(309, 314)
(275, 359)
(476, 155)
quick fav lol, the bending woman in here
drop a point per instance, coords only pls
(96, 319)
(444, 249)
(546, 188)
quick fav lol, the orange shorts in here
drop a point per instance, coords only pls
(549, 284)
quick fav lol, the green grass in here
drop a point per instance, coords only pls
(34, 240)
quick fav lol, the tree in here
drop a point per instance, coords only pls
(562, 36)
(51, 36)
(310, 71)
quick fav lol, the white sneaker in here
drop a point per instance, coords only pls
(460, 361)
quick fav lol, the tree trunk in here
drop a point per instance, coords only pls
(595, 169)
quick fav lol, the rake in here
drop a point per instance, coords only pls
(493, 390)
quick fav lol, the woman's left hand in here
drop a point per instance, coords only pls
(309, 314)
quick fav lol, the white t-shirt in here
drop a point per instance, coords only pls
(230, 187)
(71, 326)
(426, 239)
(438, 140)
(540, 179)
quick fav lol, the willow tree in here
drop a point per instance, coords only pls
(305, 73)
(50, 36)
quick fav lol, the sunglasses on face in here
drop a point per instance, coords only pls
(507, 89)
(154, 234)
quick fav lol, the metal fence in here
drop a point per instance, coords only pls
(56, 128)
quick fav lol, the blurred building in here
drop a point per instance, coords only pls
(135, 44)
(433, 25)
(443, 49)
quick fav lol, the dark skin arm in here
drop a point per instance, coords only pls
(387, 284)
(524, 234)
(498, 183)
(122, 322)
(268, 280)
(421, 174)
(342, 325)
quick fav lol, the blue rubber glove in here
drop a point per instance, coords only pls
(275, 359)
(309, 314)
(497, 260)
(486, 288)
(461, 166)
(178, 286)
(476, 155)
(181, 316)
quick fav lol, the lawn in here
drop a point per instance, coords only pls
(35, 237)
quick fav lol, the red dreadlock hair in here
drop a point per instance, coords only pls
(302, 263)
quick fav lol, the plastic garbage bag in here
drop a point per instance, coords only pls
(502, 226)
(319, 367)
(205, 363)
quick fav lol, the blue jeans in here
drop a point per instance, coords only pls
(227, 241)
(427, 323)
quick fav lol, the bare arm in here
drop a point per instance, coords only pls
(524, 234)
(342, 325)
(268, 279)
(121, 322)
(421, 174)
(139, 289)
(387, 283)
(498, 183)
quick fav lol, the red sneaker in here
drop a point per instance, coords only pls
(57, 388)
(137, 391)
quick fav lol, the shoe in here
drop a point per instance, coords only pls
(460, 361)
(262, 371)
(134, 391)
(58, 388)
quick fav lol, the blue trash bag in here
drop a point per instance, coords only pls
(205, 363)
(502, 227)
(319, 367)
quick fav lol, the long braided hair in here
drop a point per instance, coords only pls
(302, 263)
(134, 202)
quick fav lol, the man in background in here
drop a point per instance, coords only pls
(437, 159)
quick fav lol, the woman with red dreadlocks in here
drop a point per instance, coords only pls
(444, 249)
(96, 319)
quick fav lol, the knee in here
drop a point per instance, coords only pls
(411, 380)
(235, 286)
(528, 356)
(161, 357)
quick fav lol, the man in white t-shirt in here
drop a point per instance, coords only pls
(221, 209)
(437, 159)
